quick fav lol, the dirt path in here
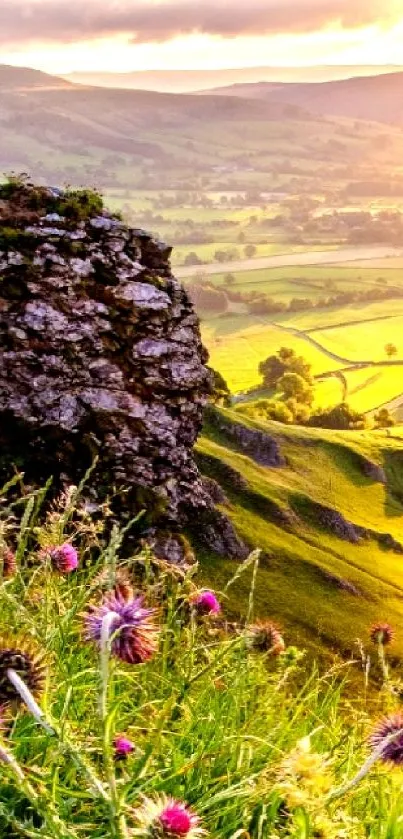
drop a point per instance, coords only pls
(282, 260)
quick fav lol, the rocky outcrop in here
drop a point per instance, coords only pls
(336, 523)
(263, 448)
(100, 355)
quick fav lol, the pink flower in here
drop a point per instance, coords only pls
(167, 818)
(206, 603)
(133, 632)
(123, 747)
(64, 558)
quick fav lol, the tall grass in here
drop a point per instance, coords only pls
(257, 745)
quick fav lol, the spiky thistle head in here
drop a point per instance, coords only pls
(206, 603)
(388, 736)
(381, 633)
(167, 818)
(9, 562)
(266, 637)
(123, 747)
(63, 558)
(20, 656)
(131, 627)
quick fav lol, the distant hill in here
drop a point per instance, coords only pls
(377, 98)
(186, 81)
(62, 132)
(24, 78)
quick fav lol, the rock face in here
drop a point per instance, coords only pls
(258, 445)
(100, 354)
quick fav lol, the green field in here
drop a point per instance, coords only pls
(237, 344)
(323, 467)
(331, 338)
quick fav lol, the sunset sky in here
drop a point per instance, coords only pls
(61, 36)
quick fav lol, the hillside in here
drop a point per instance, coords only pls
(376, 98)
(18, 79)
(186, 81)
(61, 132)
(329, 522)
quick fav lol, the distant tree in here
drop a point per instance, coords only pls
(250, 251)
(229, 279)
(383, 419)
(220, 256)
(284, 361)
(293, 386)
(390, 350)
(241, 237)
(221, 394)
(208, 298)
(192, 259)
(340, 417)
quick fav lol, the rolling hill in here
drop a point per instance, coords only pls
(328, 520)
(187, 81)
(376, 98)
(59, 131)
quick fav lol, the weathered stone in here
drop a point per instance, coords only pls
(96, 360)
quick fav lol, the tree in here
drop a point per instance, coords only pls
(250, 251)
(229, 279)
(293, 386)
(285, 361)
(390, 350)
(192, 259)
(340, 417)
(221, 394)
(383, 419)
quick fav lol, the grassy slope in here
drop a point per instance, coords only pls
(321, 465)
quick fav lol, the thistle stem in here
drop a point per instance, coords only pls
(26, 696)
(365, 768)
(29, 700)
(117, 818)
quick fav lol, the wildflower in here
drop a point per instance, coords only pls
(388, 736)
(266, 637)
(131, 628)
(9, 563)
(206, 603)
(166, 818)
(381, 633)
(303, 776)
(123, 747)
(63, 558)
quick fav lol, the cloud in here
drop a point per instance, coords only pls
(144, 20)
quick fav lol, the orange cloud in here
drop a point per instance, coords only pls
(143, 21)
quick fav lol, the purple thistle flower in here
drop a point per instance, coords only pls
(123, 747)
(384, 733)
(135, 636)
(64, 558)
(167, 818)
(381, 633)
(206, 603)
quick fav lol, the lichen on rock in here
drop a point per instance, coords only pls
(100, 354)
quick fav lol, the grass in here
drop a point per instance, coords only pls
(256, 744)
(362, 341)
(322, 467)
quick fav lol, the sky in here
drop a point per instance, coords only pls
(61, 36)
